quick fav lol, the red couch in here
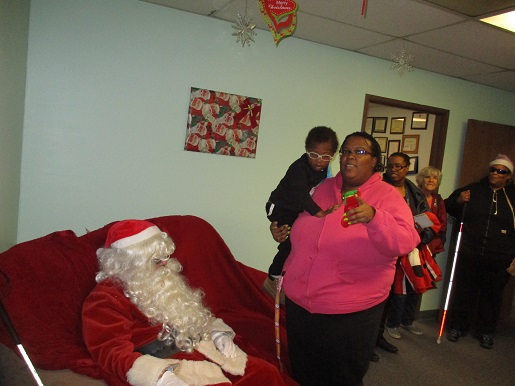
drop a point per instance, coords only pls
(43, 283)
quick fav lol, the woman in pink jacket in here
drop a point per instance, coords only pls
(337, 278)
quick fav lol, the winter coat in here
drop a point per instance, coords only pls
(338, 270)
(489, 221)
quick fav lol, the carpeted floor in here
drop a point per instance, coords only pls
(421, 361)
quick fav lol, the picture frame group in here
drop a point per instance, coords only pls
(397, 136)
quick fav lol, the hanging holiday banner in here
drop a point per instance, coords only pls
(280, 16)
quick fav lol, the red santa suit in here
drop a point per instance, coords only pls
(114, 328)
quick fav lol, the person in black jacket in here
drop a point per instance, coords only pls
(486, 250)
(293, 194)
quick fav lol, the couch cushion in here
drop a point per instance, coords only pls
(43, 284)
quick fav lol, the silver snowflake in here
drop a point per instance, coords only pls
(402, 62)
(244, 30)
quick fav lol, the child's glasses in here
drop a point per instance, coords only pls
(324, 157)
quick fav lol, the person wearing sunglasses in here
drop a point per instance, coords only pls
(293, 195)
(487, 248)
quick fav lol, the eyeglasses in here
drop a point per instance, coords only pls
(357, 152)
(396, 166)
(324, 157)
(499, 171)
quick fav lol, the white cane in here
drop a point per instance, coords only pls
(12, 332)
(438, 340)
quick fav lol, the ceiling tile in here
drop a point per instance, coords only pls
(427, 58)
(392, 17)
(474, 40)
(475, 7)
(202, 7)
(504, 80)
(441, 40)
(316, 29)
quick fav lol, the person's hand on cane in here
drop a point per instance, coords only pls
(464, 197)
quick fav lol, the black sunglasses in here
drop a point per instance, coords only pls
(499, 171)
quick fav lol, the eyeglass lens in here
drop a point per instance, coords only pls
(499, 171)
(324, 157)
(395, 166)
(347, 152)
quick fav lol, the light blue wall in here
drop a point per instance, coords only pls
(108, 85)
(14, 31)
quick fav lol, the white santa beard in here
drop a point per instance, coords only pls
(163, 295)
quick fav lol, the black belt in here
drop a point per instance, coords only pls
(159, 349)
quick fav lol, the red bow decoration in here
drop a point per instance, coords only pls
(280, 16)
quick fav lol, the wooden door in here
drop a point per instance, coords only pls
(483, 141)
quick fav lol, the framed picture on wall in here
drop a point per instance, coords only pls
(393, 146)
(397, 125)
(369, 125)
(413, 165)
(410, 144)
(419, 121)
(380, 124)
(237, 136)
(383, 143)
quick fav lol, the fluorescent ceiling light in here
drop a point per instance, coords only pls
(504, 20)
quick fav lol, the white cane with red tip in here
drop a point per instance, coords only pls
(438, 340)
(12, 332)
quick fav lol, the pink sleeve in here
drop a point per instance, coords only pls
(392, 230)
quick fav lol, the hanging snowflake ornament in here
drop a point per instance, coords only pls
(402, 62)
(244, 30)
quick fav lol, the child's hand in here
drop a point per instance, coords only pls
(281, 233)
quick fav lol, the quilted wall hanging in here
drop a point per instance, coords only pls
(222, 123)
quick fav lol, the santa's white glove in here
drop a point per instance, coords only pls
(224, 343)
(170, 379)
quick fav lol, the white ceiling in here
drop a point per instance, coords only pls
(441, 40)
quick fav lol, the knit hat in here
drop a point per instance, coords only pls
(128, 232)
(502, 159)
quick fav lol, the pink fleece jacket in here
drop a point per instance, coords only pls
(337, 270)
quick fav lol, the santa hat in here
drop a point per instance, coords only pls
(128, 232)
(502, 159)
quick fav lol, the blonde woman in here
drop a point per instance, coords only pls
(428, 181)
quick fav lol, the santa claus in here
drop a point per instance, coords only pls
(144, 325)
